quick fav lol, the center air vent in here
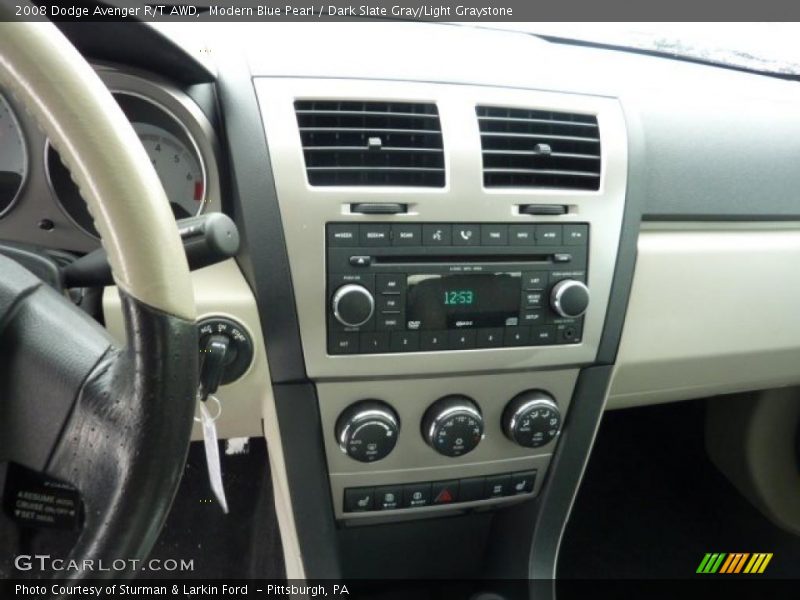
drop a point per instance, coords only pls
(371, 143)
(539, 148)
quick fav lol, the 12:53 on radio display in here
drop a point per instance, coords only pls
(456, 297)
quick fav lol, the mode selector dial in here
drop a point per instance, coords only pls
(367, 431)
(353, 305)
(570, 298)
(532, 419)
(453, 425)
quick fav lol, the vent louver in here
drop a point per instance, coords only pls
(371, 143)
(539, 148)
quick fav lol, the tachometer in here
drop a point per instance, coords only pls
(177, 167)
(172, 151)
(13, 157)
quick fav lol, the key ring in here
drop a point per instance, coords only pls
(219, 409)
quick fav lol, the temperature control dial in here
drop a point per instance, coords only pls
(453, 425)
(367, 431)
(532, 419)
(353, 305)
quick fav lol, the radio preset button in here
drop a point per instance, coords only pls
(433, 340)
(374, 235)
(517, 336)
(375, 342)
(494, 235)
(522, 235)
(489, 338)
(405, 341)
(436, 234)
(548, 235)
(461, 339)
(466, 235)
(406, 235)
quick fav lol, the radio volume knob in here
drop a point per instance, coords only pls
(569, 298)
(532, 419)
(353, 305)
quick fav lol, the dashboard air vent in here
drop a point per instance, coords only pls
(347, 142)
(539, 148)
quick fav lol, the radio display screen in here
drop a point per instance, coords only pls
(462, 300)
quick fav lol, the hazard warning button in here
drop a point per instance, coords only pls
(445, 492)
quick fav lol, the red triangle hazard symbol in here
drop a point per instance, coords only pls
(444, 496)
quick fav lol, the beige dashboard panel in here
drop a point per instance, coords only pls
(711, 312)
(221, 290)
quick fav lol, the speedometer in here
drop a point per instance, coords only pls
(13, 158)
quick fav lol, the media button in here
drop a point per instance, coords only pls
(390, 284)
(543, 335)
(432, 340)
(343, 235)
(533, 299)
(374, 234)
(548, 235)
(490, 338)
(437, 234)
(522, 235)
(576, 235)
(406, 235)
(494, 235)
(534, 280)
(466, 235)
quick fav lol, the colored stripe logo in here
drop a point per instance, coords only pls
(734, 563)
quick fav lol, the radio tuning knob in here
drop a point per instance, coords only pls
(353, 305)
(569, 298)
(453, 425)
(532, 419)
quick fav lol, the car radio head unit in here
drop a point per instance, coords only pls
(442, 286)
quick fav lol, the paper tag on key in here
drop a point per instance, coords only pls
(212, 453)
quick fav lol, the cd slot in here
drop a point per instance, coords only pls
(449, 259)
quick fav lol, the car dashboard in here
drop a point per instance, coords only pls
(458, 250)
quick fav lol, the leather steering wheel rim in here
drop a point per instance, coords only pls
(117, 422)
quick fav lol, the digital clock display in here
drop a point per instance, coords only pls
(456, 297)
(464, 300)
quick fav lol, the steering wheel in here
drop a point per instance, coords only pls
(113, 422)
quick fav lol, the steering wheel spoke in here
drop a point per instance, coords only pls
(49, 349)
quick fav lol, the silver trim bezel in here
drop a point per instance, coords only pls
(182, 110)
(305, 210)
(26, 156)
